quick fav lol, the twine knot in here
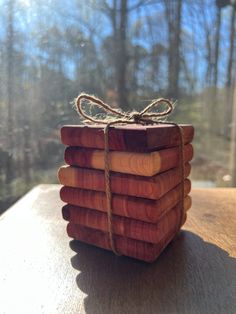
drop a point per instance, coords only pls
(143, 117)
(137, 117)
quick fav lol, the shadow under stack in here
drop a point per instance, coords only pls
(145, 180)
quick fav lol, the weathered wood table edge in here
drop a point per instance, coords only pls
(42, 273)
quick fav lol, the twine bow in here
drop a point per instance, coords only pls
(143, 117)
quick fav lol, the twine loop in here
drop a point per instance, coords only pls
(115, 117)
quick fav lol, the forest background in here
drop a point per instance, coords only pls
(127, 52)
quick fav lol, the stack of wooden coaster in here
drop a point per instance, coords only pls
(145, 181)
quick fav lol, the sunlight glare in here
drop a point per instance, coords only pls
(25, 3)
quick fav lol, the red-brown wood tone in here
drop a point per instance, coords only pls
(125, 184)
(146, 188)
(146, 164)
(130, 228)
(128, 206)
(144, 251)
(125, 138)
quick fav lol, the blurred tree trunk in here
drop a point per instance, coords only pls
(228, 85)
(233, 141)
(173, 11)
(118, 15)
(231, 49)
(122, 56)
(27, 153)
(10, 88)
(209, 46)
(217, 44)
(114, 18)
(207, 80)
(214, 118)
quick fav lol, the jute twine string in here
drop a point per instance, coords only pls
(120, 117)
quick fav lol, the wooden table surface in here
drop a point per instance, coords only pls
(43, 271)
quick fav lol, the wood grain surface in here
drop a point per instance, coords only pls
(128, 206)
(143, 164)
(41, 273)
(126, 227)
(125, 184)
(142, 251)
(126, 137)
